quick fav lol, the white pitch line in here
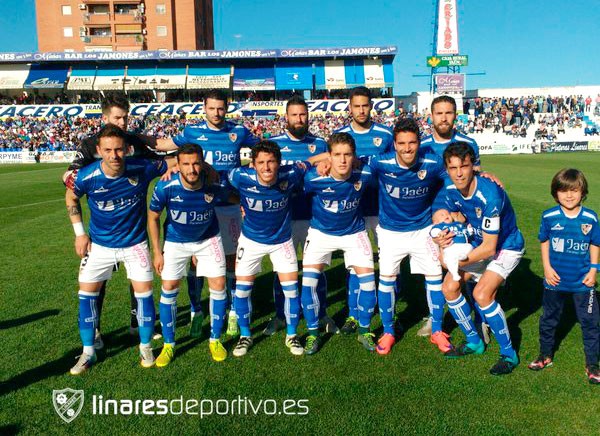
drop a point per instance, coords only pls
(31, 204)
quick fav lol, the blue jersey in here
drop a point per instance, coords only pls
(460, 230)
(336, 203)
(489, 211)
(438, 148)
(297, 150)
(190, 213)
(377, 140)
(570, 240)
(406, 194)
(221, 147)
(267, 218)
(118, 205)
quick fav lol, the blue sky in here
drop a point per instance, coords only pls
(517, 43)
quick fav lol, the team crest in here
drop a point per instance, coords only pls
(209, 197)
(133, 180)
(67, 403)
(283, 185)
(478, 212)
(232, 137)
(421, 174)
(585, 228)
(377, 141)
(312, 148)
(357, 185)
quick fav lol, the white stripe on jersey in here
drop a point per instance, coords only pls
(590, 216)
(553, 213)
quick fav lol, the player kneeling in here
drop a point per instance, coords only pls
(338, 224)
(191, 229)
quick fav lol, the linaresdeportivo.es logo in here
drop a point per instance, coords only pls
(68, 403)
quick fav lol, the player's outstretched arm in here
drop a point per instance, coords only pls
(82, 240)
(165, 144)
(154, 234)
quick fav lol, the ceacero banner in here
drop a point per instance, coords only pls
(191, 109)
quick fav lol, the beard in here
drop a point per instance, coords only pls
(298, 131)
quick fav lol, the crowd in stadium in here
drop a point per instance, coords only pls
(549, 116)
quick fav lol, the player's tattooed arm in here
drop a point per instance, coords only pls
(82, 240)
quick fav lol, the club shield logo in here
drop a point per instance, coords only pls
(67, 403)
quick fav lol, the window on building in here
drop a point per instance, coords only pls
(66, 10)
(161, 9)
(161, 30)
(68, 32)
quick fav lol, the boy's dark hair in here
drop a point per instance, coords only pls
(407, 125)
(568, 179)
(191, 149)
(216, 94)
(362, 91)
(111, 131)
(114, 99)
(443, 99)
(460, 150)
(296, 100)
(341, 138)
(266, 146)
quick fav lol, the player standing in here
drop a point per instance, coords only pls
(443, 117)
(499, 247)
(371, 139)
(297, 145)
(191, 229)
(337, 224)
(221, 141)
(115, 111)
(570, 239)
(116, 190)
(409, 179)
(265, 192)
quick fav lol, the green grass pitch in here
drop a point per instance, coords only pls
(346, 390)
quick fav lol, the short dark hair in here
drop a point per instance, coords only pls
(407, 125)
(341, 138)
(114, 99)
(568, 179)
(443, 99)
(361, 91)
(111, 131)
(216, 94)
(296, 100)
(190, 149)
(460, 150)
(266, 146)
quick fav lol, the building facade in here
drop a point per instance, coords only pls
(124, 25)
